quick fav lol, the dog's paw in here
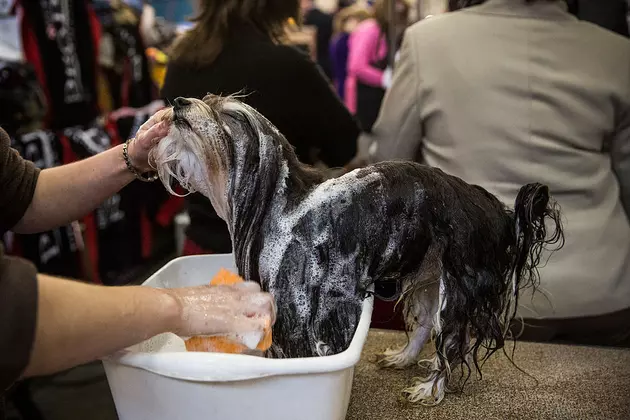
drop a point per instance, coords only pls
(396, 358)
(427, 391)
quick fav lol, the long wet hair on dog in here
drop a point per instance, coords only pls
(460, 258)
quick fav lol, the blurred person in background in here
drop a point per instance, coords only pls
(368, 59)
(342, 4)
(609, 14)
(528, 93)
(235, 47)
(346, 21)
(313, 16)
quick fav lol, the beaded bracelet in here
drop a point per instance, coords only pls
(142, 177)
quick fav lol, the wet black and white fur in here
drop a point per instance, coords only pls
(458, 255)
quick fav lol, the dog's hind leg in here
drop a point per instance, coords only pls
(420, 306)
(452, 348)
(420, 299)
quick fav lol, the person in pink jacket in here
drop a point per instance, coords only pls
(368, 51)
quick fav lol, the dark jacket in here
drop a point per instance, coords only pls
(609, 14)
(286, 87)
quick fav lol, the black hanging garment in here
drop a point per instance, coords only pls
(128, 75)
(157, 207)
(54, 252)
(113, 230)
(60, 39)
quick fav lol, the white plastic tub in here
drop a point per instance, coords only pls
(158, 380)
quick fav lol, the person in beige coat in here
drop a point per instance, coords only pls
(512, 92)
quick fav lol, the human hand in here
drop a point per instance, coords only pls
(208, 310)
(148, 135)
(386, 81)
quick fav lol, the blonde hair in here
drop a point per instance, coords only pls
(382, 10)
(355, 11)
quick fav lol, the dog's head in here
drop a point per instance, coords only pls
(214, 144)
(226, 150)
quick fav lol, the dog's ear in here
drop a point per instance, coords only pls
(213, 101)
(244, 113)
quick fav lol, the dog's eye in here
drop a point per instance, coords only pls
(181, 121)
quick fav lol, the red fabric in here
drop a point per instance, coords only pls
(169, 210)
(126, 82)
(91, 244)
(386, 317)
(95, 24)
(191, 248)
(112, 132)
(31, 55)
(68, 155)
(146, 229)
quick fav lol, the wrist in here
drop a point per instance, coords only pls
(170, 310)
(140, 171)
(141, 165)
(386, 79)
(120, 161)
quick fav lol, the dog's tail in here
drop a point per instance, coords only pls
(534, 213)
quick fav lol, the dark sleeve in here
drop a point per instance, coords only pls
(169, 84)
(326, 122)
(18, 179)
(18, 317)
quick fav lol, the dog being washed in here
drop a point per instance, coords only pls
(459, 257)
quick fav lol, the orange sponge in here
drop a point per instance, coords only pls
(225, 344)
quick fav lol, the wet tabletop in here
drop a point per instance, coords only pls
(573, 383)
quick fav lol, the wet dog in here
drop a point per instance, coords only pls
(459, 257)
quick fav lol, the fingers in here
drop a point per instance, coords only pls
(248, 287)
(238, 308)
(155, 119)
(260, 305)
(157, 132)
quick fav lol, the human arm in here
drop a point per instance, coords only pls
(620, 153)
(68, 192)
(397, 133)
(78, 322)
(364, 46)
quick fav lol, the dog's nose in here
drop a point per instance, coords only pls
(181, 102)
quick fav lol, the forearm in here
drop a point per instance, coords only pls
(71, 191)
(78, 323)
(369, 75)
